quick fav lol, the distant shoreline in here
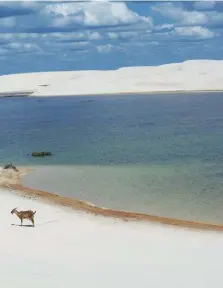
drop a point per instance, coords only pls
(21, 94)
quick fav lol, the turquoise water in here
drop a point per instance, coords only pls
(159, 154)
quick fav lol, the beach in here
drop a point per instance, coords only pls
(65, 246)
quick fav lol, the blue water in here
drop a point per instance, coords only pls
(159, 154)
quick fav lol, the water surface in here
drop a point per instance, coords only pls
(159, 154)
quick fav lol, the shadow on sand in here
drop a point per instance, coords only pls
(31, 226)
(19, 225)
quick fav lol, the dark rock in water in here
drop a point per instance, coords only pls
(10, 166)
(41, 154)
(87, 101)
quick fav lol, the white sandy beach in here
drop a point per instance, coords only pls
(70, 248)
(194, 75)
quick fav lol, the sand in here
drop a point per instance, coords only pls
(9, 176)
(67, 248)
(188, 76)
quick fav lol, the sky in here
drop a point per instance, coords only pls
(104, 35)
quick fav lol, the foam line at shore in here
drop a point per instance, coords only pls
(106, 212)
(188, 76)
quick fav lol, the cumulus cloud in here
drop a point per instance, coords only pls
(204, 5)
(18, 48)
(112, 35)
(164, 28)
(93, 35)
(177, 13)
(183, 17)
(124, 35)
(195, 31)
(92, 14)
(104, 48)
(107, 48)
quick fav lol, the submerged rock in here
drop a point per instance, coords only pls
(41, 154)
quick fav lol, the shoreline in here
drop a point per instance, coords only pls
(87, 207)
(149, 93)
(12, 180)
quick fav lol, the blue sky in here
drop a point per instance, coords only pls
(46, 36)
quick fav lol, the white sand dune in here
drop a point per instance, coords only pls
(194, 75)
(71, 249)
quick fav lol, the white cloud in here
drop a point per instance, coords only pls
(104, 27)
(79, 37)
(31, 47)
(177, 13)
(29, 4)
(129, 34)
(112, 35)
(5, 37)
(17, 37)
(93, 35)
(104, 48)
(8, 22)
(215, 18)
(122, 34)
(194, 31)
(24, 36)
(182, 17)
(107, 48)
(204, 5)
(23, 47)
(52, 45)
(75, 36)
(93, 14)
(164, 27)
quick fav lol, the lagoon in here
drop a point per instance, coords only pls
(159, 154)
